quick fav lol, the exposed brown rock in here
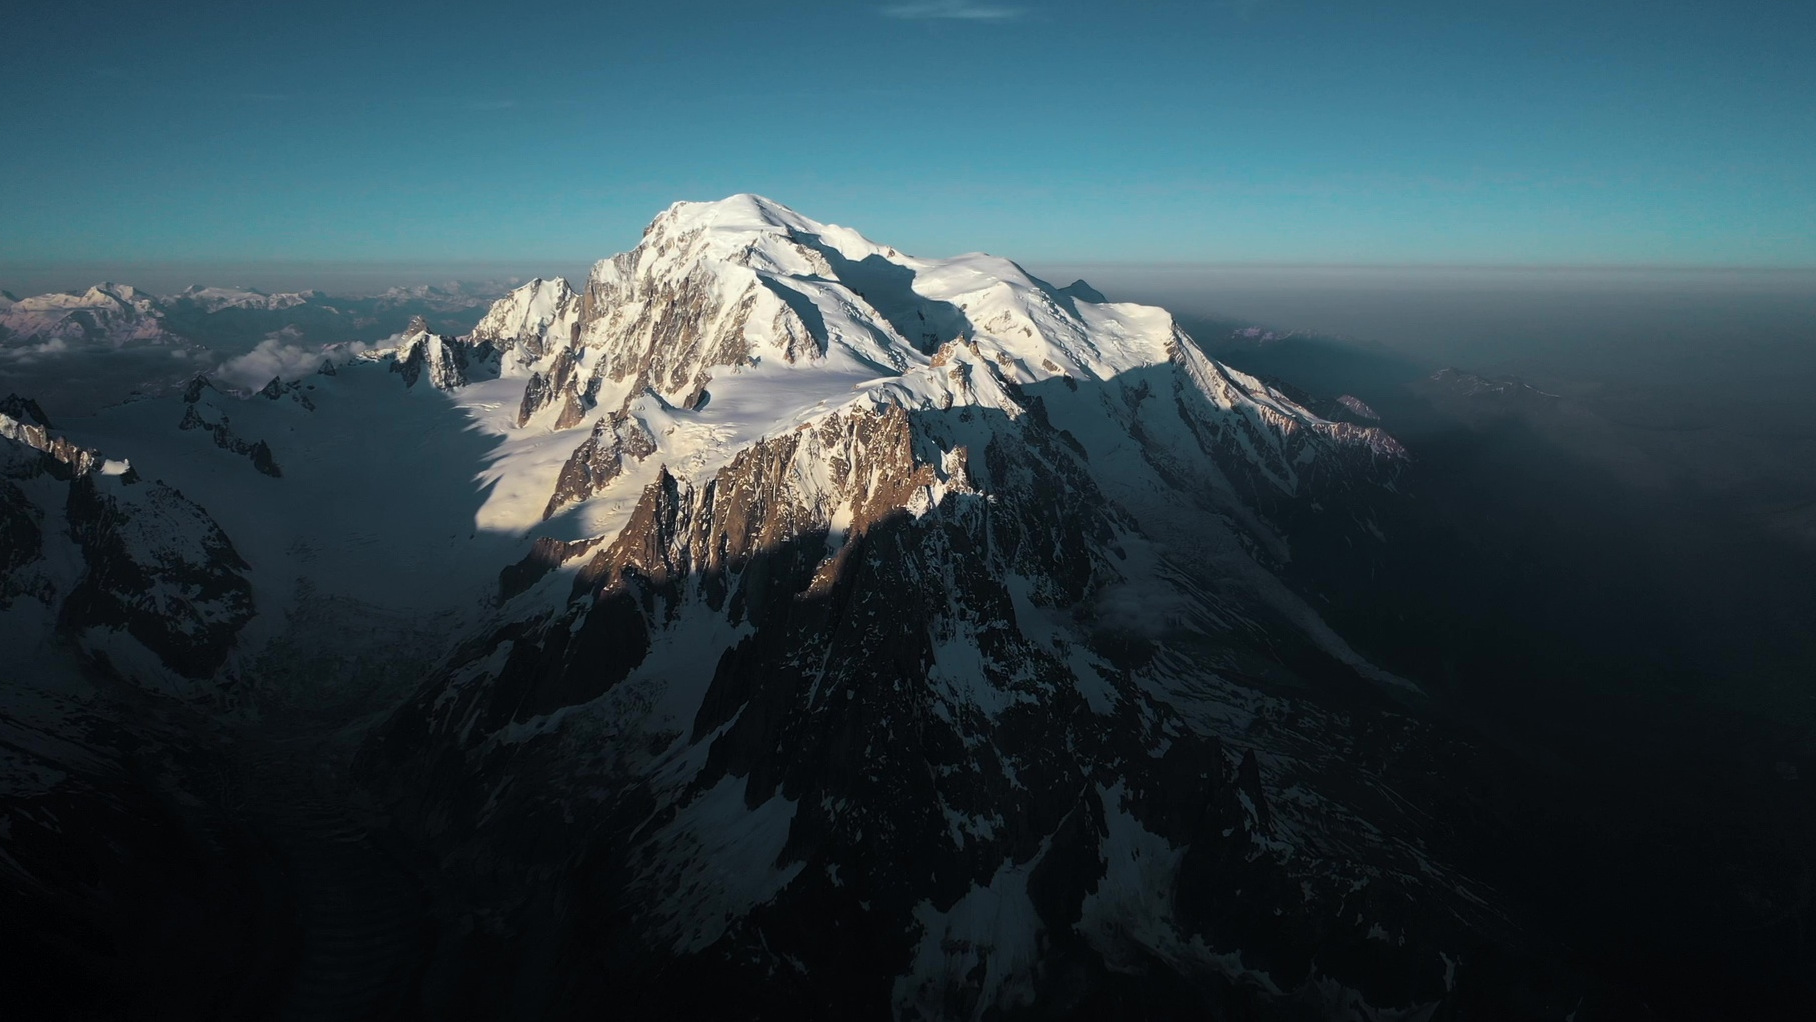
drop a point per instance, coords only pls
(81, 460)
(545, 555)
(600, 459)
(545, 388)
(759, 503)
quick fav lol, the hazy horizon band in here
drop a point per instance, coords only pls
(23, 278)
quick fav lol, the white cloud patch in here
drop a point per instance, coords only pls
(15, 352)
(32, 351)
(952, 10)
(276, 357)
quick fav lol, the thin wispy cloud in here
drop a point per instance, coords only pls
(952, 10)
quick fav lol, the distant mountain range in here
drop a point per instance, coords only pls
(116, 315)
(154, 344)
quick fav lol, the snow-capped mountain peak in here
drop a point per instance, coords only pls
(739, 320)
(214, 299)
(107, 313)
(718, 292)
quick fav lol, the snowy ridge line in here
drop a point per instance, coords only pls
(737, 320)
(214, 299)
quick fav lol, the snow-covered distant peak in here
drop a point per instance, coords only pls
(109, 291)
(746, 222)
(214, 299)
(105, 314)
(741, 319)
(416, 333)
(98, 296)
(450, 296)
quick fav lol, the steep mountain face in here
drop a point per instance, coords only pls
(141, 579)
(918, 646)
(531, 318)
(442, 360)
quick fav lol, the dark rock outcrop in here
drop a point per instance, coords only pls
(448, 361)
(216, 424)
(25, 410)
(617, 440)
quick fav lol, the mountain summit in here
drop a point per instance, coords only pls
(783, 622)
(776, 320)
(919, 606)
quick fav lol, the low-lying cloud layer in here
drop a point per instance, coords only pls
(279, 357)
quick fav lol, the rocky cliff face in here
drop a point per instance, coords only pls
(203, 410)
(617, 441)
(159, 570)
(443, 360)
(34, 433)
(865, 714)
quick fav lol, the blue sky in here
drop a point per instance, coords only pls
(1268, 131)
